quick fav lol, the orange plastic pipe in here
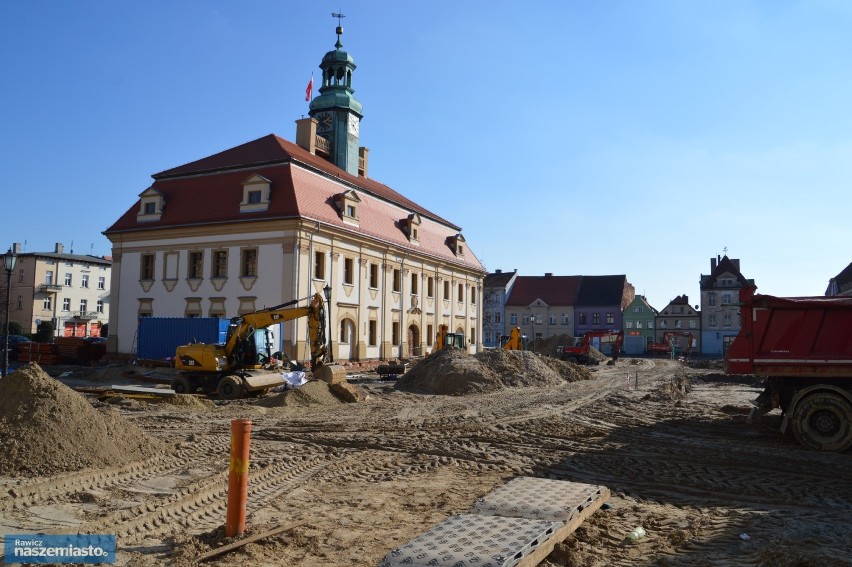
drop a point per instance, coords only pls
(235, 520)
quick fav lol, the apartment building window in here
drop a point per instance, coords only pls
(319, 265)
(526, 320)
(498, 318)
(430, 287)
(639, 325)
(372, 333)
(728, 320)
(48, 278)
(650, 324)
(596, 318)
(473, 335)
(21, 276)
(692, 325)
(473, 295)
(100, 306)
(374, 276)
(564, 319)
(429, 334)
(711, 299)
(582, 318)
(348, 271)
(663, 324)
(220, 264)
(195, 266)
(150, 208)
(101, 282)
(66, 304)
(84, 305)
(637, 309)
(712, 321)
(726, 298)
(47, 303)
(446, 291)
(610, 319)
(20, 302)
(629, 324)
(395, 333)
(414, 280)
(551, 319)
(460, 294)
(146, 271)
(84, 282)
(396, 282)
(68, 279)
(248, 265)
(254, 197)
(678, 324)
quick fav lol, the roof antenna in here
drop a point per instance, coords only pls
(339, 29)
(72, 246)
(91, 248)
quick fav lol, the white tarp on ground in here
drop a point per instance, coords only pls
(291, 380)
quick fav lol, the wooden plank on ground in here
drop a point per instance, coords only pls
(238, 544)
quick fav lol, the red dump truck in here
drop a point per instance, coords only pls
(802, 347)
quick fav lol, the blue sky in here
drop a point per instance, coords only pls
(616, 137)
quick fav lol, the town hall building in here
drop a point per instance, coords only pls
(271, 221)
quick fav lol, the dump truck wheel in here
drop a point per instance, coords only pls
(823, 420)
(230, 388)
(181, 385)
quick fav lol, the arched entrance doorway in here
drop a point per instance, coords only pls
(346, 340)
(414, 348)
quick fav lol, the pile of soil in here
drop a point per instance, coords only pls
(188, 401)
(314, 393)
(455, 372)
(47, 428)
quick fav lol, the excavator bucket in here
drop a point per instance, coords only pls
(331, 373)
(254, 381)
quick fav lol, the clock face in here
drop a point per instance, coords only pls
(325, 120)
(353, 124)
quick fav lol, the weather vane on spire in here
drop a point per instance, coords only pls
(339, 16)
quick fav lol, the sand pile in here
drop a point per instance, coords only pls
(455, 372)
(47, 428)
(314, 393)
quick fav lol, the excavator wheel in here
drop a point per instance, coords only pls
(181, 385)
(230, 388)
(823, 420)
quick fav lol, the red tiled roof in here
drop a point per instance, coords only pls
(209, 191)
(553, 290)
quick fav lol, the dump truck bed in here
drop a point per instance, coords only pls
(805, 337)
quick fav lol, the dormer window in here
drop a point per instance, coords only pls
(151, 205)
(410, 226)
(456, 244)
(256, 192)
(347, 204)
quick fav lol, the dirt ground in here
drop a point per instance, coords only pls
(357, 479)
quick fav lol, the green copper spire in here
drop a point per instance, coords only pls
(336, 109)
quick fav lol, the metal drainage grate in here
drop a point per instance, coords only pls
(539, 499)
(473, 540)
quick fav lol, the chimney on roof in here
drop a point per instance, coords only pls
(548, 274)
(17, 248)
(712, 264)
(59, 248)
(498, 271)
(686, 299)
(306, 134)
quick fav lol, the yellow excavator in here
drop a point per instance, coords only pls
(446, 339)
(515, 340)
(238, 367)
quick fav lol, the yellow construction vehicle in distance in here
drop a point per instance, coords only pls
(446, 339)
(514, 341)
(238, 366)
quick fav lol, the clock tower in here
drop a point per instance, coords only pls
(336, 110)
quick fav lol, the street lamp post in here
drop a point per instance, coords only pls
(532, 322)
(9, 259)
(327, 292)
